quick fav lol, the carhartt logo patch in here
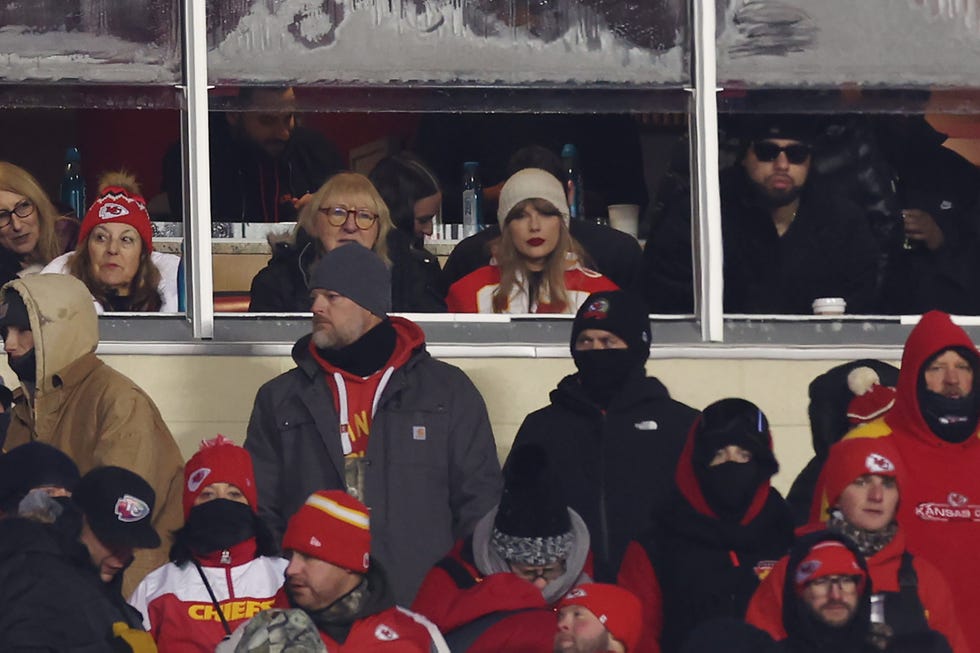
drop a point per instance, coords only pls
(418, 432)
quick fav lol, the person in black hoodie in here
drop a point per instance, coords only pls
(725, 526)
(612, 434)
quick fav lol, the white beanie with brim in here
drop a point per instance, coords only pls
(531, 183)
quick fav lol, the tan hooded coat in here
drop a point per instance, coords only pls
(89, 410)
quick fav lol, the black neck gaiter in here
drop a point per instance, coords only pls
(25, 367)
(367, 354)
(953, 420)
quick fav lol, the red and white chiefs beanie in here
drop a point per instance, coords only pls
(332, 526)
(854, 457)
(219, 460)
(616, 608)
(826, 559)
(116, 204)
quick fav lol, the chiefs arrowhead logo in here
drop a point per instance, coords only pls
(130, 508)
(875, 463)
(385, 633)
(956, 499)
(111, 211)
(195, 480)
(806, 570)
(596, 310)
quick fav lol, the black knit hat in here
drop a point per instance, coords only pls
(619, 312)
(532, 525)
(13, 311)
(30, 466)
(118, 505)
(358, 274)
(738, 422)
(794, 127)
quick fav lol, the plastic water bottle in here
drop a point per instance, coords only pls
(472, 199)
(72, 184)
(573, 181)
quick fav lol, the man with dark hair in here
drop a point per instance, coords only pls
(786, 242)
(612, 434)
(263, 165)
(369, 411)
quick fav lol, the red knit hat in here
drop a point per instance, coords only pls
(116, 204)
(829, 558)
(849, 459)
(616, 608)
(871, 399)
(219, 460)
(332, 526)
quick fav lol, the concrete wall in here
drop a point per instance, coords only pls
(200, 396)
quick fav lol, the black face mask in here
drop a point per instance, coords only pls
(216, 525)
(25, 367)
(604, 372)
(729, 487)
(953, 420)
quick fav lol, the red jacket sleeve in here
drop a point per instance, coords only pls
(937, 599)
(637, 575)
(765, 609)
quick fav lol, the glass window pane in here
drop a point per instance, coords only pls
(448, 42)
(793, 43)
(133, 42)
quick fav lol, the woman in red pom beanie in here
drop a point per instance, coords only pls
(115, 257)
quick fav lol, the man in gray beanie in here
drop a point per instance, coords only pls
(367, 410)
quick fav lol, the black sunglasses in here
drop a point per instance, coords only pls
(766, 151)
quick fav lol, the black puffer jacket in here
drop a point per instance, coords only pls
(51, 598)
(281, 286)
(614, 467)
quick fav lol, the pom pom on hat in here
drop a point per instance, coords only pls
(219, 460)
(871, 400)
(119, 201)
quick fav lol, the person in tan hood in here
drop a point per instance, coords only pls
(72, 400)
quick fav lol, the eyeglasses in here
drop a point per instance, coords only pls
(546, 572)
(847, 584)
(337, 216)
(767, 151)
(23, 209)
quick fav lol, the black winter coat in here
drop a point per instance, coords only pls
(615, 467)
(247, 185)
(51, 598)
(281, 286)
(828, 251)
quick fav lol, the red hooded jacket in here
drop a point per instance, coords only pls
(940, 503)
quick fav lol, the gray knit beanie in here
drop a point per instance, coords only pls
(358, 274)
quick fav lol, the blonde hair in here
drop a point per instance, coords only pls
(15, 179)
(513, 264)
(348, 183)
(144, 287)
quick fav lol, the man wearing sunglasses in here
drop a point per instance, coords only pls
(786, 240)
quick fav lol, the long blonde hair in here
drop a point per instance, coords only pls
(348, 183)
(514, 266)
(144, 290)
(15, 179)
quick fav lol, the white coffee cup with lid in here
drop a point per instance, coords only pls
(829, 306)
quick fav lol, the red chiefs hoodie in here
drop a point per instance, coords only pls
(940, 503)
